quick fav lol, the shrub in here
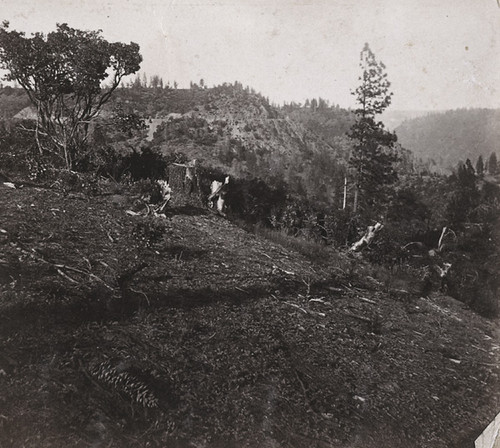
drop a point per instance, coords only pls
(149, 231)
(18, 154)
(144, 164)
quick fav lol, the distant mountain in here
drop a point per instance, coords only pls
(394, 118)
(449, 137)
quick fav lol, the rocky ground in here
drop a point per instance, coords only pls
(123, 330)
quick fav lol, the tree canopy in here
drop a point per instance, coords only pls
(493, 163)
(63, 74)
(373, 152)
(480, 166)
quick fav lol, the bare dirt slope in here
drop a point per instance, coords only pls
(187, 331)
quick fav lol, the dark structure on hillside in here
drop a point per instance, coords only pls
(184, 181)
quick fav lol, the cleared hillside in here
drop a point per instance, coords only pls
(187, 331)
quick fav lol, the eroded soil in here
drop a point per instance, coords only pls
(122, 330)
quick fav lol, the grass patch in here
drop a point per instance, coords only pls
(310, 249)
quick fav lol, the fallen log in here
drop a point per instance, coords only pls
(367, 238)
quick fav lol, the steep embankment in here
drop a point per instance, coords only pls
(186, 331)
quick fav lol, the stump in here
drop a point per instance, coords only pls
(185, 184)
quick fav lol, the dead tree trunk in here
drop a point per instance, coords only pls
(440, 243)
(345, 194)
(367, 238)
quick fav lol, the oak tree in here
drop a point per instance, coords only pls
(68, 75)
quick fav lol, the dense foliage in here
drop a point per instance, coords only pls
(62, 73)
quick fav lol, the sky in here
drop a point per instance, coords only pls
(439, 54)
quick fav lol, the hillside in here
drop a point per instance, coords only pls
(452, 136)
(394, 118)
(329, 122)
(12, 101)
(234, 130)
(187, 331)
(238, 132)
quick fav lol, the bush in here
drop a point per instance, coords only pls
(71, 181)
(149, 231)
(19, 155)
(147, 164)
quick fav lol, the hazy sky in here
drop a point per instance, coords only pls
(439, 54)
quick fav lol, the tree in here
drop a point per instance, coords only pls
(467, 176)
(373, 153)
(156, 82)
(63, 74)
(137, 85)
(322, 104)
(465, 196)
(480, 166)
(493, 164)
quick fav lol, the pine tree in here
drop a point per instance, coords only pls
(465, 195)
(155, 82)
(467, 176)
(480, 166)
(493, 164)
(137, 82)
(373, 152)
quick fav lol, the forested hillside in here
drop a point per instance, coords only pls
(393, 118)
(447, 138)
(236, 131)
(327, 121)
